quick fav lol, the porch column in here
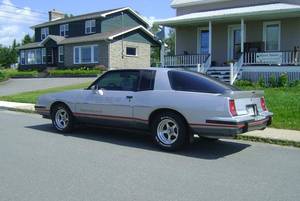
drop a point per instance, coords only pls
(162, 54)
(242, 35)
(210, 41)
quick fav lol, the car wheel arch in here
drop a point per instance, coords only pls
(58, 103)
(161, 110)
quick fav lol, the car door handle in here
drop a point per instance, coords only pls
(129, 97)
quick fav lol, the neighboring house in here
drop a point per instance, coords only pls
(260, 37)
(113, 39)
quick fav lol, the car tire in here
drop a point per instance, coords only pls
(169, 131)
(62, 118)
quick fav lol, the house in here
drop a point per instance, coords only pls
(117, 38)
(261, 38)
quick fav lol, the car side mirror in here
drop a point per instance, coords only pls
(95, 89)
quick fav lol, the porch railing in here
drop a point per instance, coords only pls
(205, 66)
(185, 60)
(272, 58)
(235, 69)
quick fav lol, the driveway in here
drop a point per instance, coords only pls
(14, 86)
(36, 163)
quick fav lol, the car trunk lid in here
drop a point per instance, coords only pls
(246, 102)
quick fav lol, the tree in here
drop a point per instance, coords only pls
(9, 55)
(155, 51)
(27, 39)
(170, 41)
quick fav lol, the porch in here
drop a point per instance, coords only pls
(257, 36)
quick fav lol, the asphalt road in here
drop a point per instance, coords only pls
(14, 86)
(37, 164)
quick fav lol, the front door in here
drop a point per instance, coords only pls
(49, 52)
(203, 41)
(112, 104)
(234, 42)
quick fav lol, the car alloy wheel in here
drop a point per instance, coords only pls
(61, 119)
(167, 131)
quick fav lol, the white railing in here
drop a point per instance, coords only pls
(279, 58)
(203, 68)
(185, 60)
(235, 69)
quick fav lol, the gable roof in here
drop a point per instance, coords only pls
(60, 40)
(106, 36)
(57, 39)
(183, 3)
(101, 14)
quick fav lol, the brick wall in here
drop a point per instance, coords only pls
(142, 60)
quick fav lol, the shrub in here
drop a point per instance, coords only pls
(3, 76)
(283, 80)
(272, 81)
(74, 72)
(20, 74)
(261, 82)
(294, 83)
(9, 73)
(243, 83)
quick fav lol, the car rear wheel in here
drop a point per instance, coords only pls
(62, 118)
(169, 131)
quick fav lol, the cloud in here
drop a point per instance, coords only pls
(14, 20)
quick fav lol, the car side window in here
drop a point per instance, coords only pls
(147, 80)
(119, 81)
(193, 82)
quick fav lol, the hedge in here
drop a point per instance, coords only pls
(21, 74)
(74, 73)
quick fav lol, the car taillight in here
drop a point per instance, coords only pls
(263, 104)
(232, 108)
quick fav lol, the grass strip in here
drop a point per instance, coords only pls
(32, 96)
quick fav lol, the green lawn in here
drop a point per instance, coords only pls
(285, 104)
(31, 97)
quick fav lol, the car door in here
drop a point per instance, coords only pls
(110, 103)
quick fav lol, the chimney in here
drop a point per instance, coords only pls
(55, 15)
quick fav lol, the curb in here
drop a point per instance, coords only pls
(18, 109)
(288, 143)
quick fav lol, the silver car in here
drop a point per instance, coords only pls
(172, 104)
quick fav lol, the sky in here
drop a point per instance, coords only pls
(16, 16)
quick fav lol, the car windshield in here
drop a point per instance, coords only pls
(195, 82)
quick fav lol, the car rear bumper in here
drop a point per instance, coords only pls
(223, 129)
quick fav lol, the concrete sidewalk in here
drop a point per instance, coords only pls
(270, 135)
(17, 106)
(276, 134)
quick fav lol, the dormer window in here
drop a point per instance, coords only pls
(90, 26)
(64, 30)
(44, 33)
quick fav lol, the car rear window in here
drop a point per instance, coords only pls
(147, 80)
(195, 82)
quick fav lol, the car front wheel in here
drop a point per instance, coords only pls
(169, 131)
(62, 118)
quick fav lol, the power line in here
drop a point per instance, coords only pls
(35, 11)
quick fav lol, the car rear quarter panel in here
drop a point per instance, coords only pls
(195, 107)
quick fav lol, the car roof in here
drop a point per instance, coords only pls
(139, 69)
